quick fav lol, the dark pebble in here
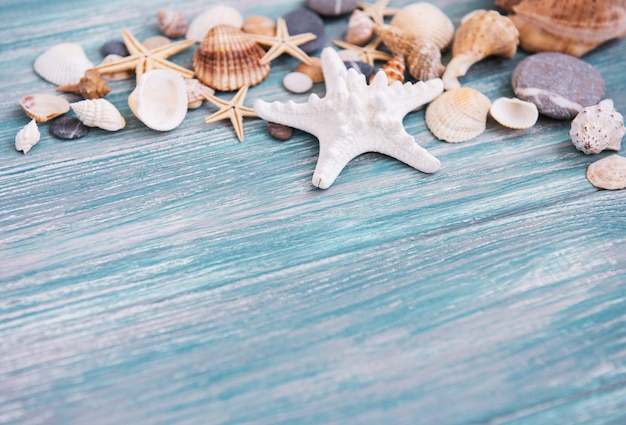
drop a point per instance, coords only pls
(362, 67)
(114, 47)
(68, 128)
(332, 7)
(559, 84)
(279, 131)
(303, 20)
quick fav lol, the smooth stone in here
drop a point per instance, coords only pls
(303, 20)
(362, 68)
(332, 7)
(297, 82)
(114, 47)
(559, 85)
(279, 131)
(68, 128)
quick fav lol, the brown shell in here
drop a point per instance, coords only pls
(424, 63)
(228, 59)
(172, 23)
(568, 26)
(394, 68)
(90, 86)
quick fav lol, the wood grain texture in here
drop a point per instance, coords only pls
(184, 277)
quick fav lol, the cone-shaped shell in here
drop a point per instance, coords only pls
(597, 128)
(27, 137)
(44, 107)
(160, 99)
(482, 33)
(568, 26)
(99, 113)
(394, 69)
(62, 64)
(514, 113)
(608, 173)
(458, 115)
(427, 22)
(228, 59)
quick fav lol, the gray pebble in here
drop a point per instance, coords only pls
(114, 47)
(303, 20)
(279, 131)
(68, 128)
(560, 85)
(332, 7)
(362, 67)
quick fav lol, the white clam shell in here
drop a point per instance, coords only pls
(458, 115)
(514, 113)
(597, 128)
(160, 99)
(426, 22)
(44, 107)
(62, 64)
(216, 15)
(27, 137)
(99, 113)
(608, 173)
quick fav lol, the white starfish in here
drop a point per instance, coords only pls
(354, 118)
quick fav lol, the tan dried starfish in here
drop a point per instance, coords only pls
(369, 53)
(378, 11)
(233, 110)
(142, 60)
(282, 42)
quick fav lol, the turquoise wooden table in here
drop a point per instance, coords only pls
(186, 278)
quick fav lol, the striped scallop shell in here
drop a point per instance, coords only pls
(426, 22)
(62, 64)
(228, 59)
(99, 113)
(458, 115)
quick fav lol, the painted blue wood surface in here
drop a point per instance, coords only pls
(184, 277)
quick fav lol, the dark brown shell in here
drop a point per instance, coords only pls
(228, 59)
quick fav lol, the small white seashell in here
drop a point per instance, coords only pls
(458, 115)
(99, 113)
(297, 82)
(62, 64)
(114, 76)
(514, 113)
(216, 15)
(160, 99)
(44, 107)
(27, 137)
(195, 92)
(597, 128)
(608, 173)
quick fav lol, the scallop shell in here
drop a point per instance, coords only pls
(568, 26)
(458, 115)
(195, 92)
(394, 69)
(514, 113)
(172, 23)
(482, 33)
(360, 28)
(608, 173)
(228, 59)
(426, 22)
(160, 99)
(99, 113)
(62, 64)
(90, 86)
(597, 128)
(44, 107)
(27, 137)
(261, 25)
(212, 17)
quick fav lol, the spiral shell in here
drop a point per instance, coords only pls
(597, 128)
(90, 86)
(482, 33)
(608, 173)
(514, 113)
(99, 113)
(172, 23)
(44, 107)
(62, 64)
(27, 137)
(360, 28)
(228, 59)
(458, 115)
(426, 22)
(394, 68)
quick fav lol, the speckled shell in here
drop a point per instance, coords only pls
(44, 107)
(360, 28)
(172, 23)
(212, 17)
(27, 137)
(99, 113)
(514, 113)
(569, 26)
(482, 33)
(426, 22)
(608, 173)
(228, 59)
(90, 86)
(62, 64)
(458, 115)
(597, 128)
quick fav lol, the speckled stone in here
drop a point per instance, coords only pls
(303, 20)
(68, 128)
(560, 85)
(114, 47)
(279, 131)
(332, 7)
(362, 67)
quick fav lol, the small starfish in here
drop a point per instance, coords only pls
(354, 118)
(143, 60)
(378, 11)
(282, 42)
(233, 110)
(369, 53)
